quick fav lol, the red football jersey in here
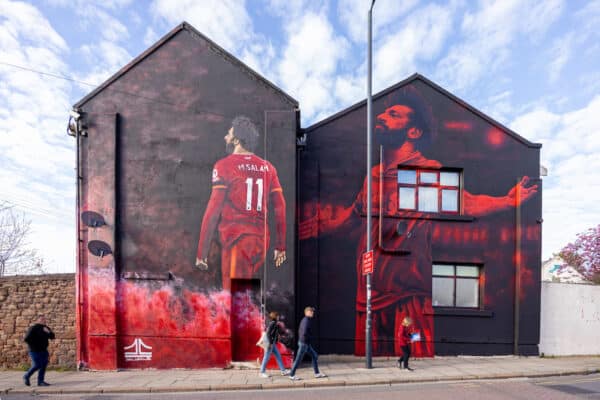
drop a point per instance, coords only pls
(247, 182)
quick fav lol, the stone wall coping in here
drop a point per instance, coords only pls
(45, 277)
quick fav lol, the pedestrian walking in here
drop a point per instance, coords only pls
(273, 332)
(305, 346)
(37, 337)
(405, 339)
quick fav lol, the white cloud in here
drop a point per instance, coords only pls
(111, 4)
(309, 63)
(292, 9)
(106, 54)
(540, 15)
(560, 52)
(260, 57)
(571, 144)
(135, 18)
(111, 28)
(487, 36)
(420, 38)
(36, 156)
(398, 49)
(589, 18)
(589, 82)
(350, 89)
(353, 15)
(93, 15)
(225, 22)
(106, 58)
(570, 204)
(30, 101)
(56, 243)
(110, 54)
(24, 19)
(150, 37)
(500, 106)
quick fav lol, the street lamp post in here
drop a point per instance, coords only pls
(369, 363)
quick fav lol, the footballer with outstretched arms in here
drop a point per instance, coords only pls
(401, 284)
(244, 187)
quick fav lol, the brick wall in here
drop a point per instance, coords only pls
(22, 300)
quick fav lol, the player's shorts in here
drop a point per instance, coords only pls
(243, 260)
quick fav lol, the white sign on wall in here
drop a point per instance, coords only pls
(140, 351)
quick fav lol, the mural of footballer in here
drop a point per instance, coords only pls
(244, 187)
(401, 283)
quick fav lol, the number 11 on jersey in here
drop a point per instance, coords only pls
(249, 191)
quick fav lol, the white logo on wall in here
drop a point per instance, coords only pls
(139, 352)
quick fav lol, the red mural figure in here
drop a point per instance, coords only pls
(244, 187)
(401, 281)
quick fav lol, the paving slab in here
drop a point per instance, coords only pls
(341, 371)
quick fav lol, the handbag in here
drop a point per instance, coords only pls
(263, 341)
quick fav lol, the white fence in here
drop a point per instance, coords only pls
(570, 319)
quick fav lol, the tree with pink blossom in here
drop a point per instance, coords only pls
(584, 254)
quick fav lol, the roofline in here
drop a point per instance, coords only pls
(414, 77)
(214, 46)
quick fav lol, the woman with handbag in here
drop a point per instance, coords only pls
(273, 336)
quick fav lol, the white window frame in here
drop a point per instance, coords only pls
(455, 276)
(425, 185)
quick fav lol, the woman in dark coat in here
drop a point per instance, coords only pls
(273, 331)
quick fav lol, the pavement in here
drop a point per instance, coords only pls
(340, 370)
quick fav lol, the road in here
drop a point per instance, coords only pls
(563, 387)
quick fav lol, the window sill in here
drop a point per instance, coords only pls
(434, 216)
(429, 216)
(457, 312)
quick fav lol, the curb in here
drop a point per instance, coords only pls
(300, 385)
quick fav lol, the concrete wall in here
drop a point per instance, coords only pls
(570, 319)
(22, 299)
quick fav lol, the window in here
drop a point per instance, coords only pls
(429, 190)
(456, 285)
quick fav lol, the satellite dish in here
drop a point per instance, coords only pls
(92, 219)
(99, 248)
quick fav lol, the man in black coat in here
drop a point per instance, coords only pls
(37, 340)
(304, 345)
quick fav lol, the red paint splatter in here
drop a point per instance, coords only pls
(185, 329)
(495, 137)
(458, 125)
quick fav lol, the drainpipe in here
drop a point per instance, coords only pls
(517, 267)
(75, 131)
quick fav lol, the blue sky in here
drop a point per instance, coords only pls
(532, 65)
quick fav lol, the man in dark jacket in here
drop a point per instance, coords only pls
(37, 340)
(304, 345)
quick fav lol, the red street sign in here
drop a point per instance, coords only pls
(367, 262)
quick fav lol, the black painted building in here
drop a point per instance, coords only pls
(183, 224)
